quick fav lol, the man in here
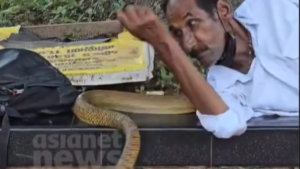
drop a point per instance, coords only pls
(252, 55)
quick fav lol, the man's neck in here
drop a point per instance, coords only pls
(242, 61)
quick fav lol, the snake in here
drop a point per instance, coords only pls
(105, 107)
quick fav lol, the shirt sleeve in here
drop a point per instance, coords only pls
(234, 93)
(283, 20)
(231, 123)
(290, 42)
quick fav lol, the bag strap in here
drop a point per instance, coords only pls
(4, 138)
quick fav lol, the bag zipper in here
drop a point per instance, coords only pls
(13, 92)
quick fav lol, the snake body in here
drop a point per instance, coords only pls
(100, 108)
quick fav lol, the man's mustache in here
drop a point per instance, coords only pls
(193, 54)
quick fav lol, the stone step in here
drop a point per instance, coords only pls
(188, 167)
(165, 141)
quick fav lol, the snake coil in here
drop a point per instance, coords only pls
(99, 108)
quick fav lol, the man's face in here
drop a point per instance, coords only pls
(199, 33)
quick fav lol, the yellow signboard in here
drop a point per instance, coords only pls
(92, 59)
(92, 62)
(7, 31)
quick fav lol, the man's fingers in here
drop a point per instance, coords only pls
(131, 13)
(121, 16)
(136, 19)
(141, 12)
(148, 12)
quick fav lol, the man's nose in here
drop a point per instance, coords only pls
(188, 41)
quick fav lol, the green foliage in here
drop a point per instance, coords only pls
(37, 12)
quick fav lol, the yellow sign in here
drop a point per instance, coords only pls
(120, 55)
(7, 31)
(97, 58)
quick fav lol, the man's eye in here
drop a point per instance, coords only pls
(193, 23)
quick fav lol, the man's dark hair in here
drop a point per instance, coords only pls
(207, 5)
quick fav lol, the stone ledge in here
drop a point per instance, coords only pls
(166, 141)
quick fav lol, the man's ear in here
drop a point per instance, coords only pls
(224, 9)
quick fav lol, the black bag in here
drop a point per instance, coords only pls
(30, 85)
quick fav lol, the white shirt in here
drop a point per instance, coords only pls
(272, 85)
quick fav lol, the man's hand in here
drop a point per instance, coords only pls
(143, 24)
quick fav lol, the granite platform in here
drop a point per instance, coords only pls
(166, 140)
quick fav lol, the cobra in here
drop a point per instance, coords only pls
(103, 108)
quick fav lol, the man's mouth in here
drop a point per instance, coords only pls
(201, 55)
(204, 54)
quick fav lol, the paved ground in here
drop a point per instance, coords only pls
(218, 168)
(153, 168)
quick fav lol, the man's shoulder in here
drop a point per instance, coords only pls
(274, 25)
(269, 3)
(274, 17)
(259, 10)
